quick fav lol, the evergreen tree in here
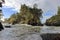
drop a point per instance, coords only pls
(27, 15)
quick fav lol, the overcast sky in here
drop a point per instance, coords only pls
(49, 7)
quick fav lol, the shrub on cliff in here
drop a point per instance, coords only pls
(54, 20)
(27, 15)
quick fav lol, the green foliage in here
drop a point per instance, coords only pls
(58, 10)
(12, 19)
(54, 20)
(0, 16)
(27, 15)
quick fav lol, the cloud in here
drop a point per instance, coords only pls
(45, 5)
(50, 8)
(17, 3)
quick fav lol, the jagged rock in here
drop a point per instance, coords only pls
(50, 36)
(1, 26)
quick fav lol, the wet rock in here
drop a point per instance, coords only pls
(50, 36)
(31, 37)
(8, 26)
(1, 26)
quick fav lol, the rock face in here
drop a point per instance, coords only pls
(1, 26)
(50, 36)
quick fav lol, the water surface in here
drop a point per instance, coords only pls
(20, 33)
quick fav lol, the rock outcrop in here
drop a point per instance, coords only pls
(50, 36)
(27, 15)
(1, 26)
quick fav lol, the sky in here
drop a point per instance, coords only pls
(49, 7)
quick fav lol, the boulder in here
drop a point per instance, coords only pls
(50, 36)
(1, 26)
